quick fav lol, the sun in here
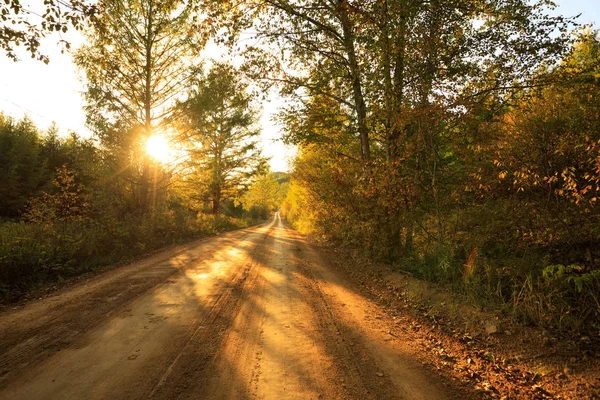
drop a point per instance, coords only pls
(158, 148)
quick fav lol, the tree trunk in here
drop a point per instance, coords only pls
(398, 86)
(393, 97)
(216, 200)
(144, 185)
(408, 242)
(387, 80)
(359, 100)
(145, 178)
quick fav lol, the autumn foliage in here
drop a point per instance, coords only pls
(498, 201)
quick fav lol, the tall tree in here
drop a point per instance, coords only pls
(406, 72)
(21, 166)
(222, 135)
(138, 63)
(318, 41)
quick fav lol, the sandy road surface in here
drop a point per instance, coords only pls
(255, 313)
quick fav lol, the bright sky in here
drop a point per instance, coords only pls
(53, 92)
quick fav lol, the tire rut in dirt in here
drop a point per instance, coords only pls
(190, 368)
(24, 345)
(353, 364)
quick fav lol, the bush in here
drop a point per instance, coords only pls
(36, 253)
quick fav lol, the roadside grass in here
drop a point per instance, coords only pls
(555, 297)
(34, 255)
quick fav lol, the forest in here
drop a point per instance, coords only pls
(455, 140)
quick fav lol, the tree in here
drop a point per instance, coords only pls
(404, 75)
(138, 65)
(320, 55)
(18, 25)
(222, 136)
(267, 193)
(68, 203)
(21, 166)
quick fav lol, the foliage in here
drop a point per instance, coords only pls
(265, 195)
(492, 198)
(21, 25)
(220, 132)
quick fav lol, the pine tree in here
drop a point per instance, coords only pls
(222, 136)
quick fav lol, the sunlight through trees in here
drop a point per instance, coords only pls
(431, 135)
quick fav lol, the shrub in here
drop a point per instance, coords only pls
(38, 252)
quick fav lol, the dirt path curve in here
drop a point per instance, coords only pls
(254, 313)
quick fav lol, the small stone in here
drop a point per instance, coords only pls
(492, 328)
(379, 374)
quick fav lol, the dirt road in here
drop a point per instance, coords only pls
(255, 313)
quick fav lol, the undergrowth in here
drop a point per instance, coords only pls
(39, 253)
(556, 287)
(529, 288)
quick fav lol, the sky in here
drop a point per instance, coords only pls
(52, 92)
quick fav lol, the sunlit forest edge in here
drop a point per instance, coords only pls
(68, 207)
(500, 205)
(456, 140)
